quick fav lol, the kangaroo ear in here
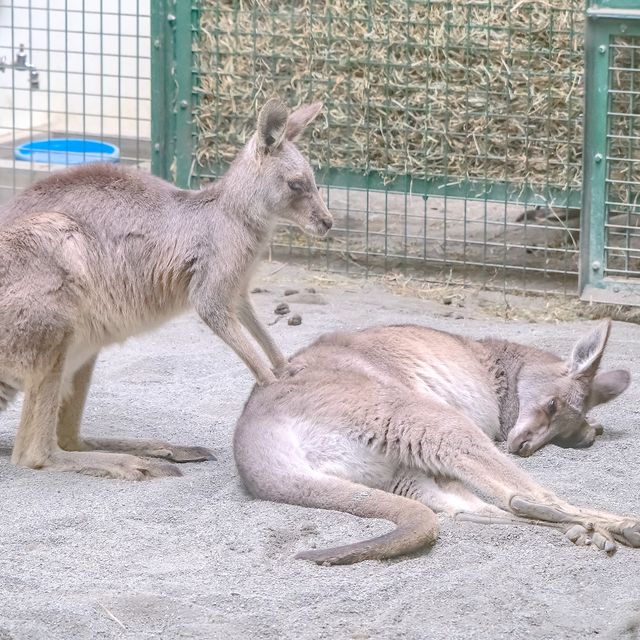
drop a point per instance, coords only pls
(607, 386)
(300, 118)
(272, 124)
(587, 352)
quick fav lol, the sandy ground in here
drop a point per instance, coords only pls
(195, 557)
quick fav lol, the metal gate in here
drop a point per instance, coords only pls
(610, 261)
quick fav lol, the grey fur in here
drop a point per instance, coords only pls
(92, 255)
(398, 422)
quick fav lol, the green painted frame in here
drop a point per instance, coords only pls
(173, 79)
(174, 28)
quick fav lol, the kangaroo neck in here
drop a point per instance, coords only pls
(238, 196)
(234, 212)
(504, 361)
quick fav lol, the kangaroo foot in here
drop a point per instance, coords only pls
(149, 448)
(184, 454)
(605, 535)
(627, 532)
(105, 465)
(539, 511)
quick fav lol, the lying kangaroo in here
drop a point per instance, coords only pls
(369, 419)
(93, 255)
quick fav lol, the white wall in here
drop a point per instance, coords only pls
(93, 61)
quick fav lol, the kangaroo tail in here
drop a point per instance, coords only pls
(416, 524)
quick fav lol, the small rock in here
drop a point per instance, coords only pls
(282, 309)
(294, 320)
(310, 290)
(458, 316)
(447, 300)
(290, 292)
(259, 290)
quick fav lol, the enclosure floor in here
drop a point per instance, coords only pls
(195, 557)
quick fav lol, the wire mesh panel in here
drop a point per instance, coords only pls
(622, 242)
(75, 70)
(451, 144)
(611, 226)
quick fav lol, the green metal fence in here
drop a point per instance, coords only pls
(451, 145)
(452, 141)
(610, 261)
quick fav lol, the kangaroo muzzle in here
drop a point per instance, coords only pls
(321, 221)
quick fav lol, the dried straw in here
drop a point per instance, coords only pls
(489, 89)
(485, 89)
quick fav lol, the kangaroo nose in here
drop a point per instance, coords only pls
(327, 223)
(520, 445)
(524, 449)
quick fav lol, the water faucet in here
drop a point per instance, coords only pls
(21, 64)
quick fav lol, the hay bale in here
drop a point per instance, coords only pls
(476, 90)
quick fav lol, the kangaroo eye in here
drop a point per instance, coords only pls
(296, 185)
(552, 407)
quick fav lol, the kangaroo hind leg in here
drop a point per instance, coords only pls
(444, 495)
(150, 449)
(36, 444)
(69, 423)
(451, 497)
(476, 463)
(434, 438)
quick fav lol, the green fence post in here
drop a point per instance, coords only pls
(592, 219)
(612, 27)
(186, 23)
(162, 48)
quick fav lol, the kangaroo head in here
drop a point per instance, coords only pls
(286, 178)
(555, 396)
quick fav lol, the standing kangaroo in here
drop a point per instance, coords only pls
(93, 255)
(397, 422)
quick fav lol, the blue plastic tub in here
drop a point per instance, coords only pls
(68, 151)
